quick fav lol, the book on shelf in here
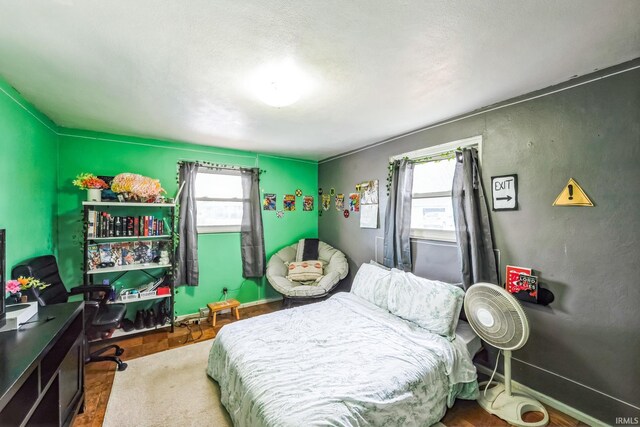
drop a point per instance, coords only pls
(93, 257)
(103, 224)
(116, 254)
(105, 252)
(128, 255)
(142, 250)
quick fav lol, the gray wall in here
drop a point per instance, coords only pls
(584, 349)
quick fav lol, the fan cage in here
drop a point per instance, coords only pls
(510, 328)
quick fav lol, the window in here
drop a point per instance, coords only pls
(431, 202)
(431, 208)
(219, 201)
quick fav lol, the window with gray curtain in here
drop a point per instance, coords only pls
(186, 259)
(473, 226)
(252, 234)
(397, 222)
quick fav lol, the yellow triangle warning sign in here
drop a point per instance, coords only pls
(572, 195)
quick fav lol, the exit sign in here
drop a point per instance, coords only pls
(504, 190)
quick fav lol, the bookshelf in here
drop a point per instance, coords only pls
(125, 237)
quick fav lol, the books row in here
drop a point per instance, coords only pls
(126, 253)
(103, 224)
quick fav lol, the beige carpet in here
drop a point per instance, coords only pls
(170, 388)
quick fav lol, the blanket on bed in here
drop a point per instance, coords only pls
(341, 362)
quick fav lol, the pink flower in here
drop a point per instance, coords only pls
(13, 286)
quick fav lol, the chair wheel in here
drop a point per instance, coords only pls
(119, 351)
(122, 366)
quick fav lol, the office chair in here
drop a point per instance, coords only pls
(100, 318)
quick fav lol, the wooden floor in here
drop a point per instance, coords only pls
(99, 376)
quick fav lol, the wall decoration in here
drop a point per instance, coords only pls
(332, 192)
(298, 192)
(369, 216)
(319, 191)
(368, 204)
(354, 202)
(289, 202)
(346, 213)
(340, 201)
(572, 195)
(279, 214)
(326, 202)
(368, 192)
(307, 204)
(269, 202)
(320, 212)
(504, 190)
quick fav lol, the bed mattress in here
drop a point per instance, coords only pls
(472, 342)
(340, 362)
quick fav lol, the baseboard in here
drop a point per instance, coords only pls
(547, 400)
(245, 305)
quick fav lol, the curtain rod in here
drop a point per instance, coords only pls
(217, 165)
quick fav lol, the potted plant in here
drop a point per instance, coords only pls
(21, 284)
(93, 185)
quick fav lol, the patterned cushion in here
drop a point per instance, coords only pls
(372, 284)
(305, 271)
(433, 305)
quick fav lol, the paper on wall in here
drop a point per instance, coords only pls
(369, 216)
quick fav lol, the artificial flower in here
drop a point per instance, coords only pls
(86, 181)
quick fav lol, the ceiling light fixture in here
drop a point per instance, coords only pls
(280, 84)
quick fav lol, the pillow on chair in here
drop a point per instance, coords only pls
(305, 271)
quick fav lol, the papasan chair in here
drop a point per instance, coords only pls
(335, 268)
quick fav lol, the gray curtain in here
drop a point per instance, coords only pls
(187, 252)
(252, 235)
(473, 228)
(397, 222)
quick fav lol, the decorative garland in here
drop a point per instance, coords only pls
(447, 155)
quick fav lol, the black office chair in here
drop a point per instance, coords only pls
(100, 318)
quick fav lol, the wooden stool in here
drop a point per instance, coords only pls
(215, 307)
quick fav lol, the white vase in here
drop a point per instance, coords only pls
(94, 194)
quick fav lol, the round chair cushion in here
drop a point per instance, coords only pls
(335, 269)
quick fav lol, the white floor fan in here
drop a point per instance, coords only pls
(498, 318)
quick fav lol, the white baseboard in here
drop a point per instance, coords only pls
(547, 400)
(246, 304)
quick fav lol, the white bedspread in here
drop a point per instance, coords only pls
(341, 362)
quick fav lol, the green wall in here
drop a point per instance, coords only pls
(28, 171)
(219, 254)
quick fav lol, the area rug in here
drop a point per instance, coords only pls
(170, 388)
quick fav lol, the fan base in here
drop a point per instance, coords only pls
(510, 408)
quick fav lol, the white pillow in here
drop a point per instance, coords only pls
(372, 284)
(431, 304)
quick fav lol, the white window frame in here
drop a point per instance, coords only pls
(430, 234)
(213, 229)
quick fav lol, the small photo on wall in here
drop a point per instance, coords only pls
(326, 202)
(269, 202)
(307, 205)
(354, 202)
(340, 202)
(289, 202)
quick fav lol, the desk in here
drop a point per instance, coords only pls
(42, 368)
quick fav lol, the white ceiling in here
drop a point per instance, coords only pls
(179, 70)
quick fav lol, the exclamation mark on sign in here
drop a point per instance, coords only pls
(570, 187)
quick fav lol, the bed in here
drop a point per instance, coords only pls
(342, 362)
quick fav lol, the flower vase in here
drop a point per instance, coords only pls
(94, 194)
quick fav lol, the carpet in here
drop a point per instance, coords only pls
(170, 388)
